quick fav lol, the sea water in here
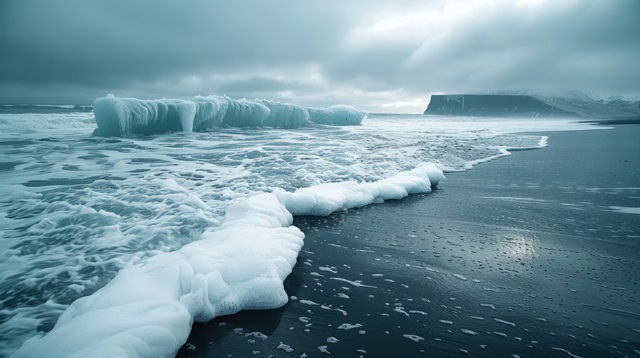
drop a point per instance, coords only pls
(215, 206)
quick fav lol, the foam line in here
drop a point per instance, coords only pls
(147, 310)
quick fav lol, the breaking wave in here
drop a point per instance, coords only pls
(130, 116)
(147, 310)
(197, 224)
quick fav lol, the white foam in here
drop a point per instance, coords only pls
(12, 124)
(74, 210)
(565, 351)
(504, 322)
(356, 283)
(285, 347)
(325, 199)
(148, 309)
(413, 337)
(258, 335)
(625, 209)
(349, 326)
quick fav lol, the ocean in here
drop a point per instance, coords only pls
(198, 223)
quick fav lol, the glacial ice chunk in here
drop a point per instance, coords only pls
(338, 115)
(132, 116)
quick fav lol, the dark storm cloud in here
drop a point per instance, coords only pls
(314, 52)
(263, 85)
(561, 46)
(105, 41)
(566, 45)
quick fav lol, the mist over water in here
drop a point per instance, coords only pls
(75, 209)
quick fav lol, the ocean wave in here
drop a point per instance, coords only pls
(147, 310)
(131, 116)
(76, 209)
(12, 124)
(44, 108)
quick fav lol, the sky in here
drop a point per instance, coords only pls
(380, 56)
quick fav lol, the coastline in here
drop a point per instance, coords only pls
(624, 120)
(526, 254)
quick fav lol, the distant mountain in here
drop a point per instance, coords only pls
(579, 105)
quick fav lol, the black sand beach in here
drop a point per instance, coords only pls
(528, 255)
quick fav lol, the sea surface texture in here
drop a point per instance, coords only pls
(115, 239)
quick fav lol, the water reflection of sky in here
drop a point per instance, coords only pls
(518, 245)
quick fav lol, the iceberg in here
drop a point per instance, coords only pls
(131, 116)
(337, 115)
(284, 115)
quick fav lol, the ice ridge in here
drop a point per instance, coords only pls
(131, 116)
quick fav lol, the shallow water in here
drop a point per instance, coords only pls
(520, 257)
(75, 209)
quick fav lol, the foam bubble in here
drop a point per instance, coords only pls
(77, 209)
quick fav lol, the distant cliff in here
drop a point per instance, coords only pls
(528, 106)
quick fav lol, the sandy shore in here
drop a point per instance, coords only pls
(535, 254)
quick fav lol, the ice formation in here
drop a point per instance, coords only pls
(131, 116)
(336, 115)
(148, 309)
(324, 199)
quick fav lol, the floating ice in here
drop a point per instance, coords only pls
(338, 115)
(284, 115)
(132, 116)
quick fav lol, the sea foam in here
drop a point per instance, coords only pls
(75, 210)
(147, 310)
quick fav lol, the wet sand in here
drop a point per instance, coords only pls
(535, 254)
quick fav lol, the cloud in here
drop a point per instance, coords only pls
(506, 46)
(376, 53)
(119, 41)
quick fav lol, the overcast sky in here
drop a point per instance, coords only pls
(375, 55)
